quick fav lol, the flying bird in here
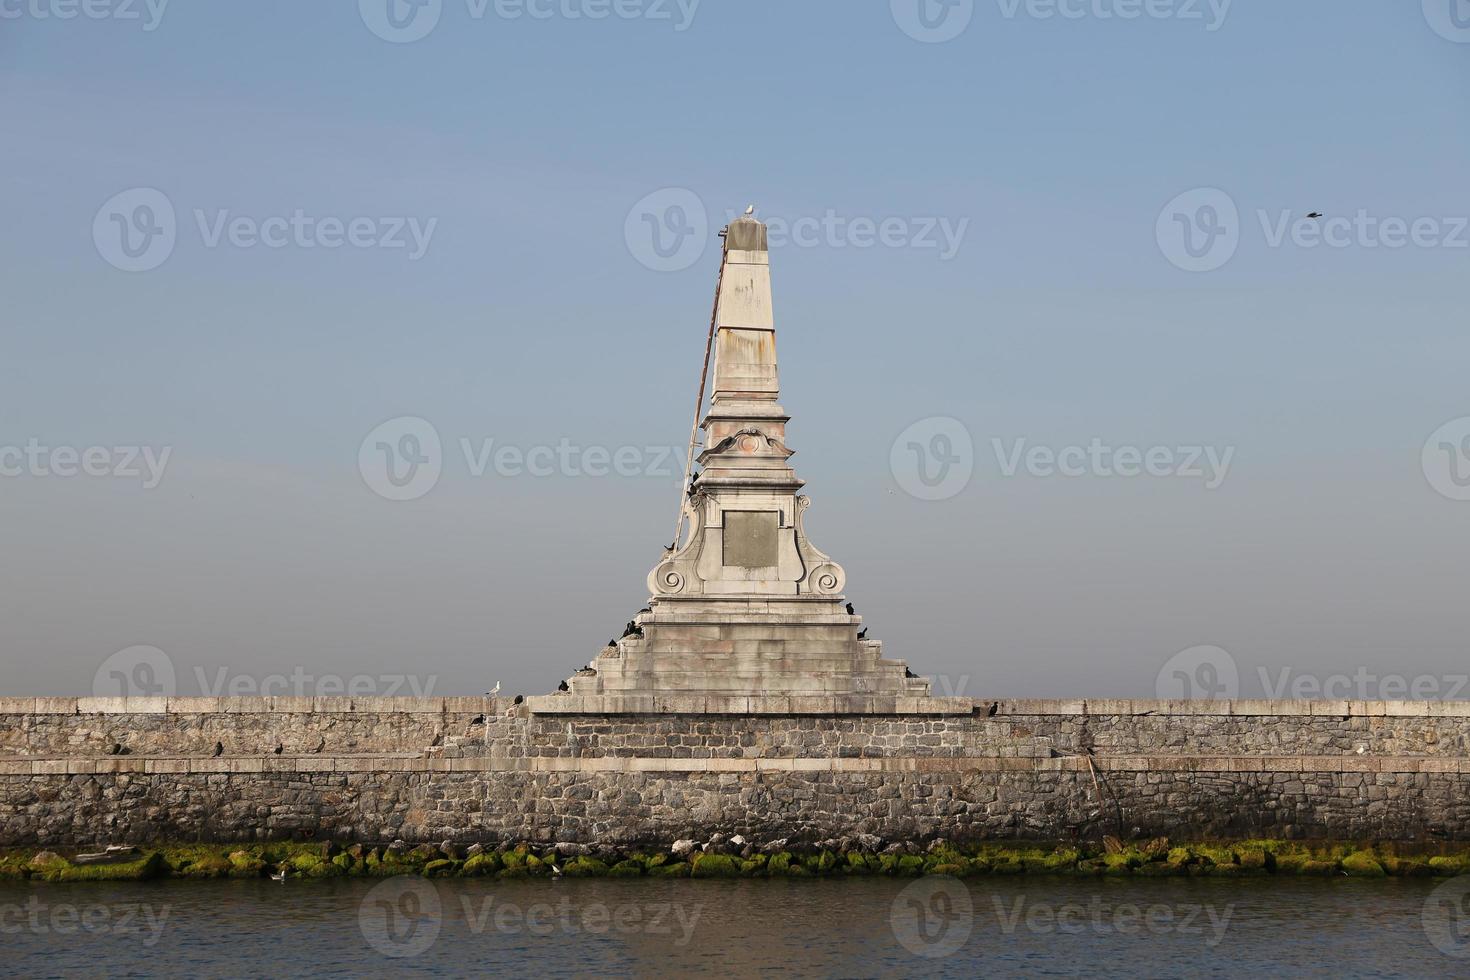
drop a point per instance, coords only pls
(1315, 214)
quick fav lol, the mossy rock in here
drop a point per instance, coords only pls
(1092, 866)
(1317, 868)
(779, 863)
(1223, 870)
(536, 868)
(857, 864)
(671, 869)
(484, 863)
(655, 861)
(514, 859)
(304, 863)
(953, 870)
(326, 870)
(1255, 860)
(751, 869)
(243, 864)
(910, 864)
(1007, 866)
(345, 862)
(1062, 859)
(585, 867)
(1161, 869)
(715, 866)
(1214, 854)
(442, 868)
(1119, 864)
(1179, 856)
(1407, 867)
(1363, 864)
(208, 866)
(150, 866)
(512, 872)
(887, 863)
(1449, 865)
(631, 868)
(798, 871)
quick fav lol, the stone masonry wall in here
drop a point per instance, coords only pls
(90, 771)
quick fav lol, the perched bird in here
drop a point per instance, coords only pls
(478, 720)
(993, 709)
(321, 744)
(219, 749)
(1315, 214)
(863, 633)
(850, 610)
(612, 643)
(645, 609)
(909, 673)
(281, 876)
(520, 698)
(750, 210)
(494, 690)
(670, 547)
(278, 749)
(563, 686)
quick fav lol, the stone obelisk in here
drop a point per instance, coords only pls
(745, 604)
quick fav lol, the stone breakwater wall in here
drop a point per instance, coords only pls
(84, 771)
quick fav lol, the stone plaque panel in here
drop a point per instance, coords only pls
(750, 538)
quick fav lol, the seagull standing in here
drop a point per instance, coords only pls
(493, 691)
(750, 211)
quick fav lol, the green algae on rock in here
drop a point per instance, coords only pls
(1154, 858)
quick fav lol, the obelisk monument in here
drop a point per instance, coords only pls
(745, 604)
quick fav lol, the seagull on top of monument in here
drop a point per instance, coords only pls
(750, 210)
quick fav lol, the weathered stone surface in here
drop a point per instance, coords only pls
(1185, 770)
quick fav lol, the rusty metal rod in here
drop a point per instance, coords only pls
(699, 402)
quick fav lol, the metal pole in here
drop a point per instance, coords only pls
(699, 403)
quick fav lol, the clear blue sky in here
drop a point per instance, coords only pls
(529, 319)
